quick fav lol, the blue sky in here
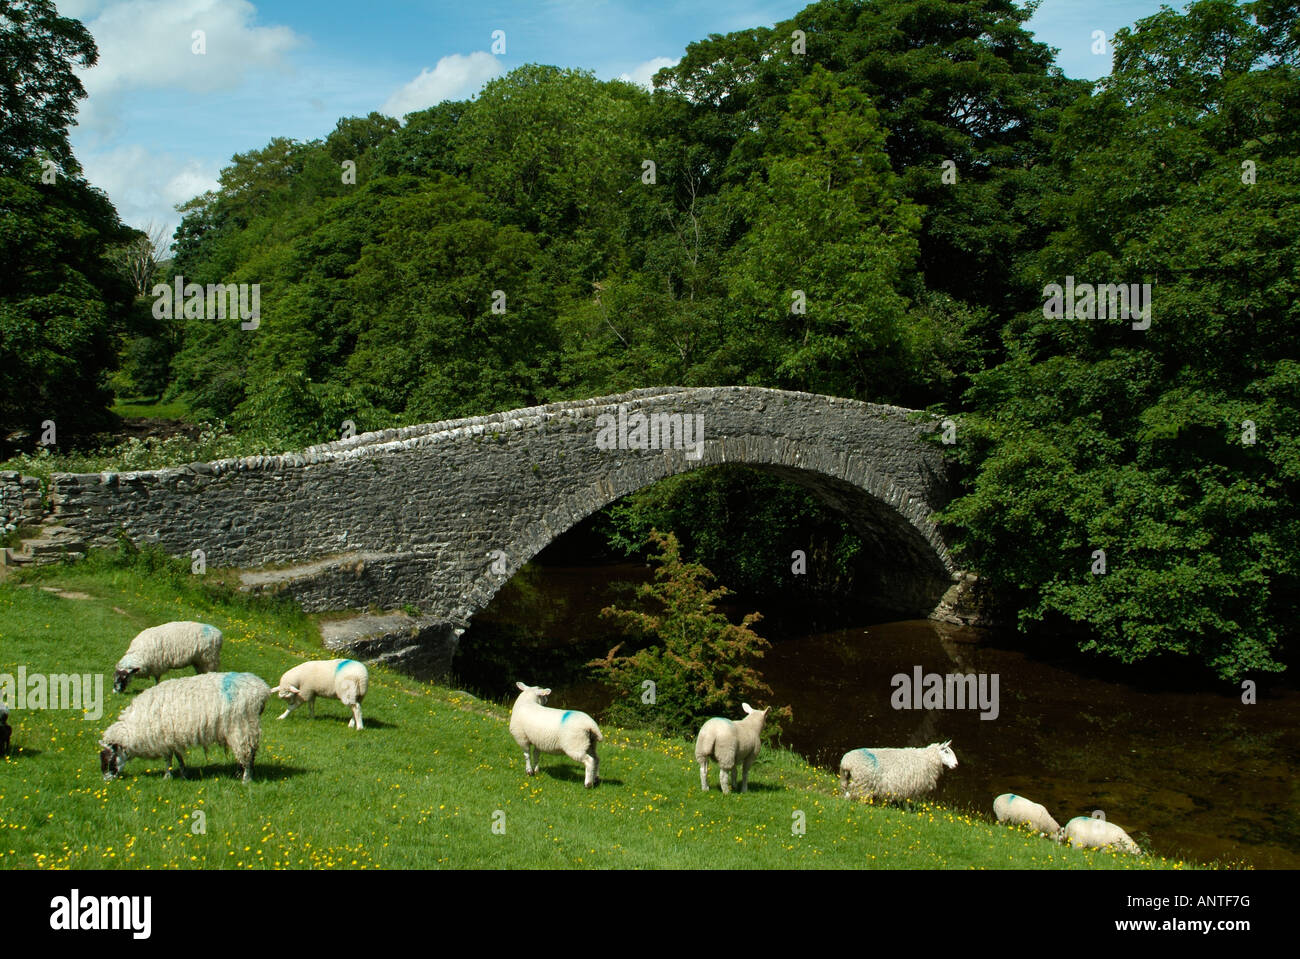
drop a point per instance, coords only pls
(161, 121)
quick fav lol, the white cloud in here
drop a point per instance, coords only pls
(643, 73)
(455, 77)
(147, 44)
(146, 185)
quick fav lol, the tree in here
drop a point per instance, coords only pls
(38, 88)
(699, 663)
(1170, 449)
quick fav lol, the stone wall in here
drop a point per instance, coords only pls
(441, 515)
(20, 499)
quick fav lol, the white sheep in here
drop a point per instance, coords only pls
(895, 773)
(343, 679)
(535, 726)
(730, 743)
(169, 646)
(1017, 809)
(1089, 833)
(203, 710)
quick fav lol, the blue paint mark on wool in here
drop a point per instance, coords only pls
(342, 663)
(567, 714)
(228, 685)
(870, 755)
(1011, 797)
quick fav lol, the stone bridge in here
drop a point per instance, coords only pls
(440, 516)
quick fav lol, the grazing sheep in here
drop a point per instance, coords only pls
(894, 773)
(1017, 809)
(536, 726)
(1089, 833)
(202, 710)
(5, 731)
(169, 646)
(730, 743)
(343, 679)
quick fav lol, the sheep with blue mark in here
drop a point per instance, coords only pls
(208, 709)
(537, 727)
(158, 649)
(895, 773)
(1017, 809)
(1087, 832)
(730, 743)
(343, 679)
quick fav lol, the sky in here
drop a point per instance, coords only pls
(161, 119)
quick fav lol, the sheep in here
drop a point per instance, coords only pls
(730, 743)
(202, 710)
(1017, 809)
(343, 679)
(1087, 832)
(169, 646)
(5, 731)
(895, 773)
(535, 726)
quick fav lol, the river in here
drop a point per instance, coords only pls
(1189, 773)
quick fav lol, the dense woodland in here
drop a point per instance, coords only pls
(919, 169)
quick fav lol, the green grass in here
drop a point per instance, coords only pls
(421, 786)
(135, 408)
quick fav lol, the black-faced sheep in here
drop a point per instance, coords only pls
(170, 646)
(204, 710)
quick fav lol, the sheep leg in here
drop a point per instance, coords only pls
(180, 761)
(724, 779)
(704, 775)
(311, 707)
(744, 776)
(248, 767)
(844, 782)
(592, 764)
(292, 706)
(529, 768)
(355, 721)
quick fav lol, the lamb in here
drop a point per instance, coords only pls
(730, 743)
(343, 679)
(895, 773)
(535, 726)
(1087, 832)
(1017, 809)
(5, 731)
(169, 646)
(201, 710)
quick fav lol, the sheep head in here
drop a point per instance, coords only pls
(123, 676)
(111, 760)
(946, 755)
(538, 693)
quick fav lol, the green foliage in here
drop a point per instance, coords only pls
(702, 665)
(1171, 449)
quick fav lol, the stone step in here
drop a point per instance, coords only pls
(47, 547)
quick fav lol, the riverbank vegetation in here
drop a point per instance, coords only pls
(870, 200)
(434, 780)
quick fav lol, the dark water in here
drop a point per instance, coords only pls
(1194, 775)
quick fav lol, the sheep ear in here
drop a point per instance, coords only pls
(746, 707)
(546, 692)
(521, 686)
(275, 689)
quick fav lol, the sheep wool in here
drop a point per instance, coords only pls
(1089, 833)
(1017, 809)
(894, 773)
(208, 709)
(729, 744)
(343, 679)
(170, 646)
(535, 726)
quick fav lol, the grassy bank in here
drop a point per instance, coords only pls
(422, 786)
